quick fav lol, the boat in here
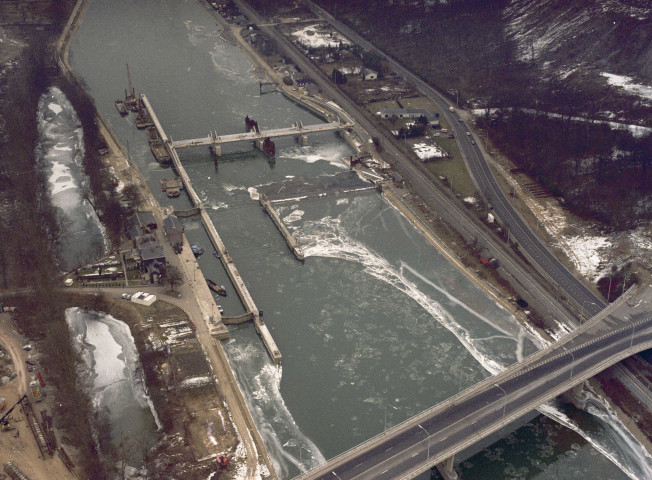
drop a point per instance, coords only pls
(122, 108)
(269, 148)
(152, 135)
(160, 153)
(197, 250)
(219, 289)
(143, 119)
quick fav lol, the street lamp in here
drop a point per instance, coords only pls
(572, 361)
(392, 406)
(504, 398)
(609, 290)
(424, 430)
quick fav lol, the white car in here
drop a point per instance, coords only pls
(125, 296)
(220, 309)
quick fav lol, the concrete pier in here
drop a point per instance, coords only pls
(219, 246)
(289, 238)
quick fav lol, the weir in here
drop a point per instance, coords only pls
(289, 238)
(217, 242)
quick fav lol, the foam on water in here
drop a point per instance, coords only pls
(327, 238)
(331, 153)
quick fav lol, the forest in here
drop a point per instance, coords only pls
(547, 109)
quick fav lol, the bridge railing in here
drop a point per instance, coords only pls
(505, 374)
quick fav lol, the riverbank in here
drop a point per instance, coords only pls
(126, 172)
(454, 247)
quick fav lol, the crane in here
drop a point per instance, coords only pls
(4, 422)
(131, 89)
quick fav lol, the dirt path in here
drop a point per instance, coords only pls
(19, 446)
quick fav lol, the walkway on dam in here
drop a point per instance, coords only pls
(437, 434)
(296, 130)
(218, 244)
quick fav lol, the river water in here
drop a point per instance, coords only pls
(375, 325)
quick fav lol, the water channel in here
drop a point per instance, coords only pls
(375, 325)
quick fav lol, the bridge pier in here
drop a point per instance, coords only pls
(576, 396)
(446, 469)
(302, 140)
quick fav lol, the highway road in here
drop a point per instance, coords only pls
(529, 244)
(444, 430)
(443, 201)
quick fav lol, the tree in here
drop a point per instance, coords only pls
(173, 276)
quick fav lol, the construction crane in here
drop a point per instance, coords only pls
(4, 422)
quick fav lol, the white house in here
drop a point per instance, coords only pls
(368, 74)
(143, 298)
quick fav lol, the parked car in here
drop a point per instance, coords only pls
(220, 309)
(125, 296)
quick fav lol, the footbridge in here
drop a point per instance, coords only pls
(436, 435)
(297, 130)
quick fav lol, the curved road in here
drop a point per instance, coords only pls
(528, 242)
(447, 205)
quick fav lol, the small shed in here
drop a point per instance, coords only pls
(173, 230)
(369, 74)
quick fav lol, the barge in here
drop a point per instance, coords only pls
(219, 289)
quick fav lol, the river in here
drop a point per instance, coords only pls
(375, 325)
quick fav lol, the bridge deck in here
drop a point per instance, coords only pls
(275, 132)
(444, 430)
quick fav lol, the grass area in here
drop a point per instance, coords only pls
(451, 167)
(418, 102)
(375, 107)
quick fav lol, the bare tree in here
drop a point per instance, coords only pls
(173, 276)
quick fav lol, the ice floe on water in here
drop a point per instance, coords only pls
(261, 381)
(113, 372)
(61, 151)
(602, 428)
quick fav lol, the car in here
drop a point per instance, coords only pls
(459, 119)
(220, 309)
(468, 133)
(473, 142)
(125, 296)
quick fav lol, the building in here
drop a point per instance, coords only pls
(369, 74)
(410, 113)
(173, 229)
(140, 223)
(142, 298)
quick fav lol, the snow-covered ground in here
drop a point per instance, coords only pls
(593, 253)
(312, 36)
(627, 84)
(427, 151)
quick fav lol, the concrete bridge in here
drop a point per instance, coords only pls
(296, 130)
(433, 437)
